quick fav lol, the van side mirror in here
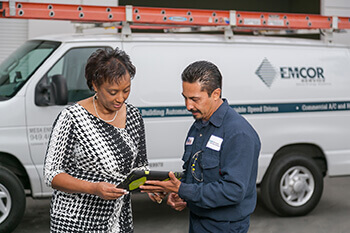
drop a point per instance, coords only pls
(54, 93)
(59, 89)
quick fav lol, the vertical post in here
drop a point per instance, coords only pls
(128, 13)
(233, 21)
(329, 33)
(335, 21)
(12, 5)
(126, 30)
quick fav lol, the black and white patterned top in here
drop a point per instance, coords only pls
(90, 149)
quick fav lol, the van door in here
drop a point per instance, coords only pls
(156, 91)
(40, 118)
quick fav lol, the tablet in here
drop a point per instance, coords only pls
(138, 177)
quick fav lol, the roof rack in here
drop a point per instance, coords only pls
(172, 19)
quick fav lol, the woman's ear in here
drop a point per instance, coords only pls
(94, 87)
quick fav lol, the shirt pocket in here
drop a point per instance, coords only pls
(210, 165)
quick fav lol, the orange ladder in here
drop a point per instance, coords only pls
(166, 17)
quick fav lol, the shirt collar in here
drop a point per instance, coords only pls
(217, 118)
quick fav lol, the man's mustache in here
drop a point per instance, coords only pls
(195, 111)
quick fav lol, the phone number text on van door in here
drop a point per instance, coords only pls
(39, 135)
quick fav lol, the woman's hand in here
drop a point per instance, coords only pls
(108, 191)
(69, 184)
(157, 197)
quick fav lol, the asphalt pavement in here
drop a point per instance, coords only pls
(332, 215)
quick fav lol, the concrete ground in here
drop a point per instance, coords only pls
(330, 216)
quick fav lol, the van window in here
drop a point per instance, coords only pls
(20, 65)
(72, 67)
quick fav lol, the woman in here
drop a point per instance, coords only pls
(93, 146)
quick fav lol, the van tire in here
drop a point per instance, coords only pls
(296, 176)
(13, 196)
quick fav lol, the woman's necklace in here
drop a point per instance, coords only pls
(93, 102)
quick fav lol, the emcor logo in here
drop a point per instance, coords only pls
(267, 73)
(303, 72)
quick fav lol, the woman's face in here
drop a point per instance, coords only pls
(112, 95)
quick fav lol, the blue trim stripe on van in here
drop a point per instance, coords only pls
(180, 111)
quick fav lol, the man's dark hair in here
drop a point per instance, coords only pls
(108, 65)
(204, 72)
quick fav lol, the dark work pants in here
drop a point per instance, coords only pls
(203, 225)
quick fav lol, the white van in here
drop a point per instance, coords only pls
(295, 92)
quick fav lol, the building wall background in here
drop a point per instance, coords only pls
(338, 8)
(14, 32)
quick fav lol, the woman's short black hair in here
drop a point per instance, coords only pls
(204, 72)
(108, 65)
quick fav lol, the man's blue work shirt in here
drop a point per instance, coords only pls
(220, 180)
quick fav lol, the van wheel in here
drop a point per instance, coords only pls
(293, 185)
(12, 200)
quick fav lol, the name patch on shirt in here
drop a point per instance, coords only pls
(214, 143)
(189, 141)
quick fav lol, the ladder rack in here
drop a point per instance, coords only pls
(171, 17)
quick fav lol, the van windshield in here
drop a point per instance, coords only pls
(20, 65)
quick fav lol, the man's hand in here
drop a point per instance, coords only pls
(171, 185)
(176, 202)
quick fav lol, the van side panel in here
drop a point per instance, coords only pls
(13, 138)
(291, 94)
(294, 95)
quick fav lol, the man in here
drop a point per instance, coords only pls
(220, 159)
